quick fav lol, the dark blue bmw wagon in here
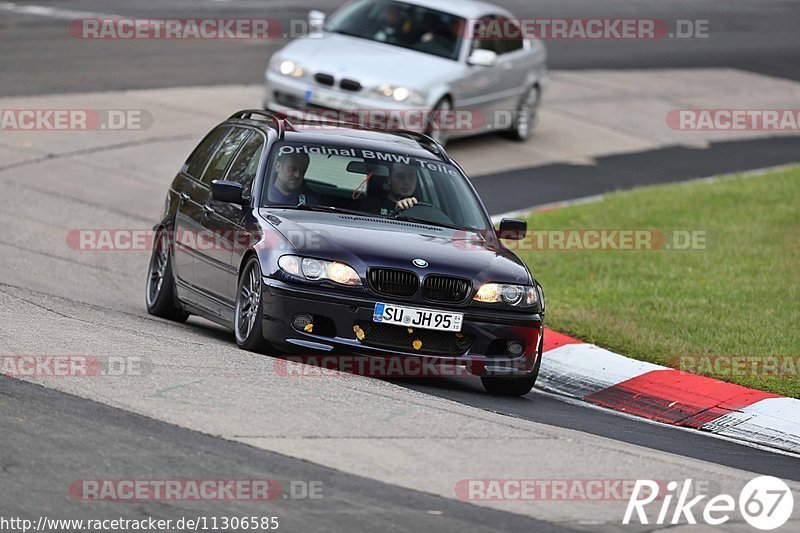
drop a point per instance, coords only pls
(330, 238)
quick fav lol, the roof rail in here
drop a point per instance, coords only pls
(280, 121)
(424, 140)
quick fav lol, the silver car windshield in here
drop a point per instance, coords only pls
(369, 182)
(399, 24)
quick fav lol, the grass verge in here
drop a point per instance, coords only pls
(727, 308)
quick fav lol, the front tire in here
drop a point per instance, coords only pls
(503, 386)
(434, 131)
(250, 309)
(160, 294)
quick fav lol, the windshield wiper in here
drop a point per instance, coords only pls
(331, 209)
(426, 221)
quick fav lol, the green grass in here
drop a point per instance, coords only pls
(739, 296)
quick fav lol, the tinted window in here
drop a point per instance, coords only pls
(371, 182)
(219, 161)
(485, 32)
(245, 166)
(199, 159)
(511, 43)
(399, 24)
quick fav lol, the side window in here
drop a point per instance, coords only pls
(245, 166)
(485, 31)
(198, 161)
(511, 43)
(219, 161)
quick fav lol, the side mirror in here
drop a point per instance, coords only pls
(227, 191)
(512, 228)
(482, 58)
(316, 20)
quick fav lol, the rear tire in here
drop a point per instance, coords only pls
(519, 386)
(249, 310)
(525, 116)
(160, 292)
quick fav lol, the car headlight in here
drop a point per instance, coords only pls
(287, 67)
(399, 94)
(312, 269)
(511, 295)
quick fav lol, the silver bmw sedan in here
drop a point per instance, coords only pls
(448, 69)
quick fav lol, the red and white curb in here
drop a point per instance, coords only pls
(573, 368)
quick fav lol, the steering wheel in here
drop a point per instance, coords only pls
(395, 212)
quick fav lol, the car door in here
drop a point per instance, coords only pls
(243, 170)
(513, 64)
(480, 89)
(212, 260)
(189, 215)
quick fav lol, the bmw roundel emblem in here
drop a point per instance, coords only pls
(421, 263)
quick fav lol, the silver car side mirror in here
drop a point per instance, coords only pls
(482, 58)
(316, 20)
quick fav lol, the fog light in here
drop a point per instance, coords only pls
(301, 320)
(515, 348)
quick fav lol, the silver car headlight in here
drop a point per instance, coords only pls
(287, 67)
(510, 295)
(311, 269)
(399, 94)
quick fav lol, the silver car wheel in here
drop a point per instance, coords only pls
(437, 133)
(526, 113)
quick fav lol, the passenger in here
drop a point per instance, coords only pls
(289, 186)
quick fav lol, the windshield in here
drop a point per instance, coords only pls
(399, 24)
(371, 183)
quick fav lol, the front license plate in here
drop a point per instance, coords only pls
(417, 318)
(329, 100)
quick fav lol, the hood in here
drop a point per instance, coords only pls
(368, 62)
(363, 242)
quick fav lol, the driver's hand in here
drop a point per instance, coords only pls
(405, 203)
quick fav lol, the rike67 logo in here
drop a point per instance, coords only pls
(766, 503)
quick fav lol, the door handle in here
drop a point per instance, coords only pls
(507, 66)
(207, 209)
(185, 197)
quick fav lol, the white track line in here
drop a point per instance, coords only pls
(52, 12)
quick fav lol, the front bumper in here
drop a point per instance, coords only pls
(286, 95)
(335, 314)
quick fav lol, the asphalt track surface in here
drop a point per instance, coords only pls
(50, 438)
(62, 435)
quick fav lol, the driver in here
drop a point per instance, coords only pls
(401, 195)
(289, 186)
(395, 26)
